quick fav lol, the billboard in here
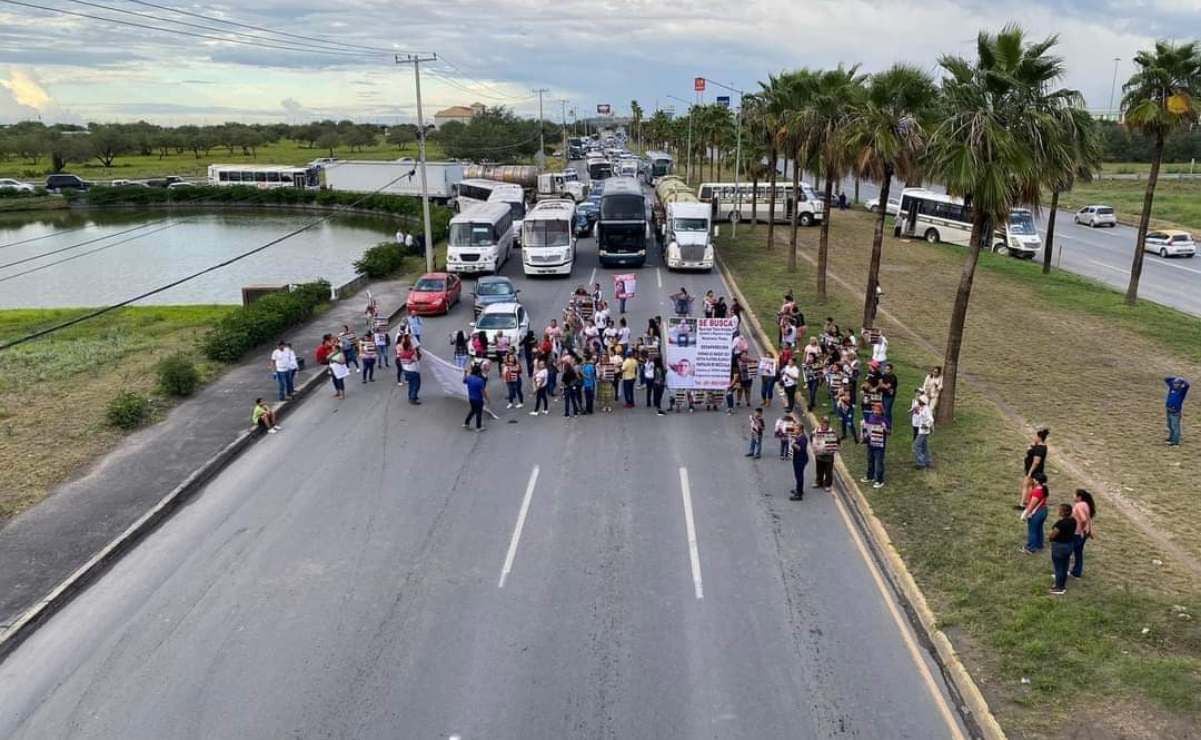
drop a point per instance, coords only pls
(698, 353)
(604, 109)
(698, 84)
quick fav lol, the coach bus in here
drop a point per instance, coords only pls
(622, 230)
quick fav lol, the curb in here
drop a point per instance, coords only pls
(62, 594)
(969, 701)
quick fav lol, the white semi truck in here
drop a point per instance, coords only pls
(399, 177)
(686, 224)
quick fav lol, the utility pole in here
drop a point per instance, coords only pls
(566, 154)
(1113, 86)
(416, 60)
(541, 143)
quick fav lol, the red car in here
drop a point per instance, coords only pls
(434, 293)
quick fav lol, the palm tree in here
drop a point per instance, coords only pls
(886, 137)
(795, 137)
(1159, 98)
(1075, 153)
(770, 117)
(998, 118)
(836, 93)
(636, 116)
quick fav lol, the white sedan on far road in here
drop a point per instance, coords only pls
(893, 207)
(10, 184)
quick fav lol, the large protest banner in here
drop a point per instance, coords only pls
(698, 353)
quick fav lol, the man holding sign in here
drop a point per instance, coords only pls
(624, 287)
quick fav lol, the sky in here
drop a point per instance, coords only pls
(64, 68)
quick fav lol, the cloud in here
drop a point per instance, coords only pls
(23, 97)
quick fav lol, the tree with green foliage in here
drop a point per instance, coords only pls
(330, 140)
(1074, 153)
(401, 135)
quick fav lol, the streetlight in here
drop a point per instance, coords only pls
(690, 109)
(737, 155)
(1114, 85)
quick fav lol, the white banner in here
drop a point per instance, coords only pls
(698, 353)
(448, 376)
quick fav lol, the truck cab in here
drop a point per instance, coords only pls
(688, 236)
(559, 184)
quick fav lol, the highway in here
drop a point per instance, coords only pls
(375, 570)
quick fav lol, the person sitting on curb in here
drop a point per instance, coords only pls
(263, 417)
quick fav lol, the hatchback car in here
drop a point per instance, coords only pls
(1095, 216)
(508, 319)
(493, 289)
(434, 293)
(17, 185)
(1170, 243)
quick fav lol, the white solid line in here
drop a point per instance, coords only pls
(1106, 266)
(659, 277)
(592, 278)
(694, 555)
(525, 509)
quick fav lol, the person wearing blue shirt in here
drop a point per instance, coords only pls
(1177, 390)
(588, 374)
(477, 395)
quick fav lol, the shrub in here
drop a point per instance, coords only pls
(382, 260)
(128, 410)
(262, 321)
(177, 375)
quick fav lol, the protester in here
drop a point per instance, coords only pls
(623, 335)
(720, 309)
(541, 379)
(1035, 513)
(709, 304)
(1084, 509)
(606, 372)
(825, 447)
(416, 326)
(681, 302)
(571, 386)
(932, 387)
(460, 349)
(812, 379)
(528, 344)
(382, 343)
(846, 415)
(790, 374)
(732, 388)
(588, 383)
(511, 371)
(800, 459)
(888, 389)
(619, 292)
(324, 349)
(477, 396)
(281, 365)
(408, 363)
(1174, 403)
(659, 382)
(1063, 533)
(262, 417)
(629, 373)
(1036, 458)
(875, 432)
(338, 370)
(785, 428)
(923, 423)
(647, 376)
(348, 341)
(880, 349)
(755, 434)
(369, 356)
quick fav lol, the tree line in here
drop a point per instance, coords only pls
(996, 129)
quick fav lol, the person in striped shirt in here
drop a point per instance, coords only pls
(875, 435)
(825, 447)
(368, 354)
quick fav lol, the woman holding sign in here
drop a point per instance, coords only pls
(623, 288)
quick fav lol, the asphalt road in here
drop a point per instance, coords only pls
(342, 579)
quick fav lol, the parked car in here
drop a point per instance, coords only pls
(17, 185)
(894, 205)
(127, 184)
(493, 289)
(1095, 216)
(434, 293)
(60, 182)
(1170, 243)
(178, 185)
(509, 319)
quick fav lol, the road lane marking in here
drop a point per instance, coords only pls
(592, 278)
(1107, 267)
(903, 626)
(694, 555)
(659, 278)
(525, 509)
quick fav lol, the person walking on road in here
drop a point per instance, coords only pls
(1174, 404)
(785, 428)
(606, 374)
(681, 302)
(367, 353)
(629, 374)
(408, 362)
(800, 459)
(825, 447)
(619, 292)
(263, 418)
(757, 424)
(529, 343)
(767, 382)
(790, 375)
(658, 383)
(512, 375)
(541, 400)
(1036, 458)
(338, 371)
(349, 343)
(1083, 511)
(382, 344)
(281, 365)
(477, 396)
(923, 424)
(875, 435)
(571, 382)
(416, 326)
(460, 349)
(1063, 533)
(1035, 514)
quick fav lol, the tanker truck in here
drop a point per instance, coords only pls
(686, 225)
(549, 184)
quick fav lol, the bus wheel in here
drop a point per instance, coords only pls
(932, 236)
(805, 219)
(1001, 249)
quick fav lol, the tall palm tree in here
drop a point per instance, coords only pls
(795, 138)
(998, 117)
(636, 119)
(1161, 97)
(771, 119)
(836, 93)
(886, 135)
(1074, 154)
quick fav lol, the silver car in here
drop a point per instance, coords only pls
(1095, 216)
(1170, 243)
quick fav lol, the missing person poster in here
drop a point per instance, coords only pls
(624, 286)
(698, 353)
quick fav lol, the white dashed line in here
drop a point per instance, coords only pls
(525, 509)
(694, 555)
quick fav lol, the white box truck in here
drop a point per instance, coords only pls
(399, 177)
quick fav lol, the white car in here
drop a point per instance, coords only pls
(127, 184)
(509, 319)
(17, 185)
(1095, 216)
(1170, 243)
(894, 205)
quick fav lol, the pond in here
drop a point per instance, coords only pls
(61, 259)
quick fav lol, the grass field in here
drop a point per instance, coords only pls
(132, 167)
(1132, 168)
(1177, 202)
(1061, 352)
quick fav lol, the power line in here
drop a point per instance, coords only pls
(459, 69)
(101, 311)
(439, 74)
(80, 244)
(44, 236)
(118, 243)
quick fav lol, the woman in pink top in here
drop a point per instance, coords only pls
(1083, 511)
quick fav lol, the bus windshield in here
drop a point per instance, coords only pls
(623, 208)
(1022, 224)
(471, 235)
(547, 234)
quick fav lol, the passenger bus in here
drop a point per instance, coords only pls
(265, 176)
(481, 239)
(473, 192)
(599, 168)
(622, 231)
(938, 217)
(734, 202)
(548, 238)
(661, 165)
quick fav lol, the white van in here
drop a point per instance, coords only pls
(481, 239)
(548, 238)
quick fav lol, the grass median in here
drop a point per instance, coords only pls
(1057, 351)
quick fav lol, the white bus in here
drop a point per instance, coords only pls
(938, 217)
(734, 202)
(264, 176)
(661, 165)
(473, 192)
(481, 239)
(548, 239)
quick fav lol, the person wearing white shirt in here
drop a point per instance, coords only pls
(790, 375)
(880, 350)
(282, 360)
(409, 242)
(293, 365)
(416, 324)
(923, 423)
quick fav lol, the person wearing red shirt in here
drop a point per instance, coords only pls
(1035, 514)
